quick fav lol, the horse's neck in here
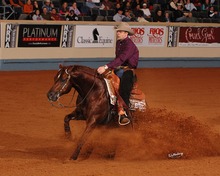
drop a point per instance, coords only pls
(84, 83)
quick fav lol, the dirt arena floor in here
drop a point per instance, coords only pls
(183, 116)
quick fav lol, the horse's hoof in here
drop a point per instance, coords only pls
(73, 158)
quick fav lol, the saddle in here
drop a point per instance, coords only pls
(137, 97)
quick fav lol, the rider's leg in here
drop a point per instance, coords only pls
(126, 84)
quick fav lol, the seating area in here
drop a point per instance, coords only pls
(107, 15)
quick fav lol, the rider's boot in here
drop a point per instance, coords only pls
(123, 117)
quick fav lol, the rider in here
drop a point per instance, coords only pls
(126, 60)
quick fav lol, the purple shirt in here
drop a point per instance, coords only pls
(127, 54)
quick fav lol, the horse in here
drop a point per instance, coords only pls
(93, 101)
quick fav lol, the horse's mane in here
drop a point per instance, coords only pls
(85, 69)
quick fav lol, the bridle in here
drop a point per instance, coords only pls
(60, 105)
(64, 86)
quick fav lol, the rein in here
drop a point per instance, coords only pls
(60, 105)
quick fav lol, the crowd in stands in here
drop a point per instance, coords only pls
(116, 10)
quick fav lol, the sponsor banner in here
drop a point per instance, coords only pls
(149, 35)
(39, 35)
(10, 35)
(156, 35)
(172, 36)
(94, 36)
(67, 37)
(139, 36)
(199, 37)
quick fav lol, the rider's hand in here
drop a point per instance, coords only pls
(102, 69)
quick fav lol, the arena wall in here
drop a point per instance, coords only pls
(48, 58)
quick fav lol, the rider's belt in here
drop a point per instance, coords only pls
(122, 67)
(125, 68)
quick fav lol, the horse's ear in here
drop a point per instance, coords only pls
(60, 66)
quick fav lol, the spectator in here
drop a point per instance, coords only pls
(140, 16)
(18, 7)
(49, 5)
(146, 11)
(148, 3)
(197, 4)
(16, 3)
(212, 13)
(28, 7)
(27, 11)
(135, 3)
(4, 3)
(162, 4)
(72, 16)
(106, 5)
(179, 15)
(212, 2)
(55, 16)
(182, 2)
(119, 15)
(127, 6)
(75, 9)
(37, 15)
(159, 16)
(189, 6)
(36, 6)
(136, 10)
(92, 4)
(128, 16)
(168, 17)
(205, 5)
(126, 3)
(118, 6)
(45, 14)
(64, 10)
(173, 5)
(191, 19)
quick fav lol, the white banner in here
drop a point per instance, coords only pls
(94, 36)
(11, 35)
(139, 35)
(149, 36)
(67, 37)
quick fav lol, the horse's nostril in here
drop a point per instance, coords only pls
(50, 95)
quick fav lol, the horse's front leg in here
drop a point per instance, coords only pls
(67, 123)
(89, 128)
(75, 115)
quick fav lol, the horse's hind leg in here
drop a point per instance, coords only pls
(89, 128)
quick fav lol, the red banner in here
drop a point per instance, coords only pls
(199, 36)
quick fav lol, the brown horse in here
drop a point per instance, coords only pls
(93, 103)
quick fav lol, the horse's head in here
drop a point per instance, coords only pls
(62, 84)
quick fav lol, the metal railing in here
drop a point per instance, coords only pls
(6, 12)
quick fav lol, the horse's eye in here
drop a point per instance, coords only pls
(64, 77)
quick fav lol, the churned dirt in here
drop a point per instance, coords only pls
(183, 116)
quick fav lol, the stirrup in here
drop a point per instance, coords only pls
(120, 118)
